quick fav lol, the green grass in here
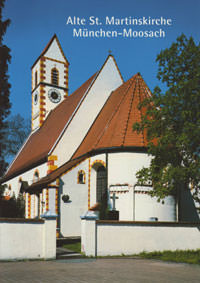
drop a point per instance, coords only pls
(189, 256)
(76, 247)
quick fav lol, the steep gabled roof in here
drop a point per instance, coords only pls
(48, 46)
(39, 143)
(112, 128)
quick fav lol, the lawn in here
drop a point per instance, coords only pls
(188, 256)
(76, 247)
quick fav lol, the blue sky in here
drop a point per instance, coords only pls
(34, 22)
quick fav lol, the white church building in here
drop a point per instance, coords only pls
(82, 147)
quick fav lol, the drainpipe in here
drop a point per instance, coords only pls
(134, 202)
(38, 197)
(106, 179)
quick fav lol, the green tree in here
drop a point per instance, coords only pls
(172, 122)
(2, 189)
(17, 131)
(4, 85)
(12, 208)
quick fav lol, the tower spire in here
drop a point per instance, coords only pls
(49, 81)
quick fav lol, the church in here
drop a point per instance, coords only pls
(82, 147)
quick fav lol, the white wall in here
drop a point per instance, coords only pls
(54, 52)
(27, 239)
(71, 211)
(109, 238)
(51, 105)
(36, 68)
(124, 165)
(36, 108)
(132, 202)
(122, 168)
(107, 80)
(124, 204)
(26, 176)
(147, 207)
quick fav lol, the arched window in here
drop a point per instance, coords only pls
(81, 177)
(101, 183)
(54, 76)
(36, 176)
(36, 81)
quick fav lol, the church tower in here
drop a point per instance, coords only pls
(49, 81)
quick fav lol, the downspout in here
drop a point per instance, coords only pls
(59, 206)
(134, 202)
(38, 212)
(106, 179)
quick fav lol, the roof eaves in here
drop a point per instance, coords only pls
(57, 173)
(45, 181)
(19, 152)
(23, 169)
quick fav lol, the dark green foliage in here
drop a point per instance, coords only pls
(103, 211)
(103, 207)
(172, 120)
(2, 188)
(4, 85)
(12, 208)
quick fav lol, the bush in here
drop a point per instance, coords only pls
(12, 208)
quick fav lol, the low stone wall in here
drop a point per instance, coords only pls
(103, 238)
(27, 238)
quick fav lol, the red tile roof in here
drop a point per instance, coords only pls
(112, 127)
(39, 143)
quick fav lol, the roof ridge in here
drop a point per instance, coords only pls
(131, 80)
(132, 98)
(141, 111)
(147, 93)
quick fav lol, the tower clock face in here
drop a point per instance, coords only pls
(54, 95)
(35, 98)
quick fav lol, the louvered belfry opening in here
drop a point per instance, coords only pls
(54, 76)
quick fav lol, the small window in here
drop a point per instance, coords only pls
(36, 176)
(36, 81)
(54, 76)
(81, 177)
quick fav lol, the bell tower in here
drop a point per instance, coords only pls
(49, 81)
